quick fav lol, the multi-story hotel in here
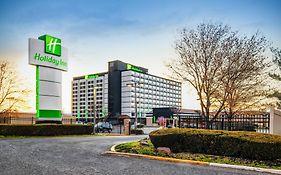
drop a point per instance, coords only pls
(84, 88)
(121, 90)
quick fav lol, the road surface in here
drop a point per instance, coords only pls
(85, 155)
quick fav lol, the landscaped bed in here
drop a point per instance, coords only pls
(228, 147)
(241, 144)
(138, 148)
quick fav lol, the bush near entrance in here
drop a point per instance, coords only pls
(148, 149)
(44, 130)
(242, 144)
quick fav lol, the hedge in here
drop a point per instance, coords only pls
(137, 131)
(44, 130)
(241, 144)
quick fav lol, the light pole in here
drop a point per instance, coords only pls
(94, 108)
(134, 84)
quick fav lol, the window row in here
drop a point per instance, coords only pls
(150, 77)
(150, 90)
(153, 97)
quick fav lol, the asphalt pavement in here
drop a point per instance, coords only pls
(85, 155)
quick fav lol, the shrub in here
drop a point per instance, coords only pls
(140, 125)
(44, 130)
(137, 131)
(242, 144)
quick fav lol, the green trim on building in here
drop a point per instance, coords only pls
(49, 113)
(37, 90)
(87, 114)
(78, 109)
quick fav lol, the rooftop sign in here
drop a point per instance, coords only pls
(91, 76)
(134, 68)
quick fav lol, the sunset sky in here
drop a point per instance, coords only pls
(140, 32)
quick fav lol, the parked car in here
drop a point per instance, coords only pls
(79, 122)
(103, 126)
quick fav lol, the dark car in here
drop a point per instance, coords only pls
(103, 126)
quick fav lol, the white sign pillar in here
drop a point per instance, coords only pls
(50, 58)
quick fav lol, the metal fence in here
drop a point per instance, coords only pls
(17, 120)
(30, 120)
(241, 122)
(118, 127)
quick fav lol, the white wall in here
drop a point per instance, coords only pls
(275, 122)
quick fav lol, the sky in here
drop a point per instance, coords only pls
(140, 32)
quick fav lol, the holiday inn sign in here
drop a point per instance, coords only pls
(50, 59)
(47, 51)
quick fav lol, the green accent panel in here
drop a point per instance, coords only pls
(49, 113)
(37, 90)
(78, 110)
(52, 45)
(104, 112)
(86, 113)
(91, 76)
(129, 66)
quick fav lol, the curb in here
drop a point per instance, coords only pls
(157, 158)
(174, 160)
(114, 152)
(110, 134)
(249, 168)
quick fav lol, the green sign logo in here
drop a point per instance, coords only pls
(91, 76)
(52, 45)
(133, 68)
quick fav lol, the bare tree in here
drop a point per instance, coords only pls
(12, 95)
(216, 61)
(276, 76)
(245, 80)
(200, 62)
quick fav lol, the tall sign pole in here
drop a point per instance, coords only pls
(50, 59)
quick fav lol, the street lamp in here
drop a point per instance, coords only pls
(94, 108)
(135, 84)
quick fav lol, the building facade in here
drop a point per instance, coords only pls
(151, 92)
(122, 90)
(89, 93)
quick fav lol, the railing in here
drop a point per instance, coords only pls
(258, 123)
(30, 120)
(118, 127)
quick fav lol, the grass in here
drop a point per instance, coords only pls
(138, 148)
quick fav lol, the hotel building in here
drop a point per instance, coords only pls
(122, 89)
